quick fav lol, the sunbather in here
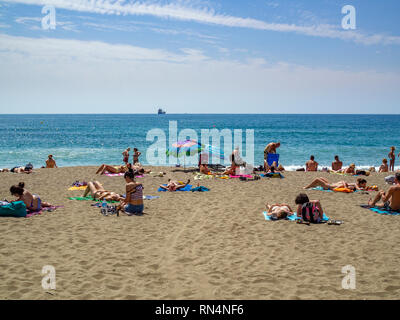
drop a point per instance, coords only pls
(50, 162)
(97, 192)
(391, 199)
(351, 170)
(174, 185)
(312, 165)
(32, 201)
(279, 211)
(337, 164)
(133, 203)
(309, 210)
(112, 169)
(21, 170)
(384, 166)
(204, 169)
(322, 182)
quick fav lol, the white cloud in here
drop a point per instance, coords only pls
(186, 12)
(57, 75)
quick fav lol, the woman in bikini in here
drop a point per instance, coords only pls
(32, 201)
(111, 169)
(174, 185)
(97, 192)
(279, 211)
(133, 203)
(322, 182)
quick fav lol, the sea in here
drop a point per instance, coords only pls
(94, 139)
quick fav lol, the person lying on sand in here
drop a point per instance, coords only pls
(384, 166)
(279, 211)
(97, 192)
(112, 169)
(309, 210)
(21, 170)
(138, 169)
(32, 201)
(391, 199)
(174, 185)
(133, 203)
(311, 165)
(50, 162)
(351, 170)
(361, 184)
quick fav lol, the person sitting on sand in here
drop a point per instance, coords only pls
(384, 166)
(97, 192)
(391, 199)
(311, 165)
(174, 185)
(337, 164)
(112, 169)
(204, 169)
(136, 155)
(279, 211)
(32, 201)
(392, 157)
(138, 169)
(309, 210)
(361, 184)
(50, 162)
(133, 203)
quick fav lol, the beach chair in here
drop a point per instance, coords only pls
(273, 157)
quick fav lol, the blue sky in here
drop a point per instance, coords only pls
(191, 56)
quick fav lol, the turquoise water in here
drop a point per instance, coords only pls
(95, 139)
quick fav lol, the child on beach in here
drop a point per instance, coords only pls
(32, 201)
(309, 210)
(384, 166)
(392, 158)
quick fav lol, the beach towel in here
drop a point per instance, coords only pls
(150, 197)
(200, 189)
(272, 175)
(31, 213)
(321, 189)
(293, 217)
(239, 176)
(77, 188)
(118, 174)
(381, 210)
(89, 198)
(187, 188)
(345, 190)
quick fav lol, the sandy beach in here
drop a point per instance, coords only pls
(212, 245)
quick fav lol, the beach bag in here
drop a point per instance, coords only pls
(13, 209)
(310, 212)
(390, 179)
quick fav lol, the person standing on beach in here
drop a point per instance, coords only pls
(392, 158)
(311, 165)
(126, 156)
(270, 148)
(136, 155)
(50, 162)
(337, 164)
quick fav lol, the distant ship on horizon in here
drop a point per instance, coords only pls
(161, 111)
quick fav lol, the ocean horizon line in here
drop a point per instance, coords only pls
(279, 114)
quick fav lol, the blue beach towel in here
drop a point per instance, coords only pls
(187, 188)
(272, 175)
(200, 189)
(321, 189)
(293, 217)
(380, 210)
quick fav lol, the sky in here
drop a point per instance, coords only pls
(193, 56)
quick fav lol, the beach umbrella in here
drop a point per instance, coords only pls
(186, 148)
